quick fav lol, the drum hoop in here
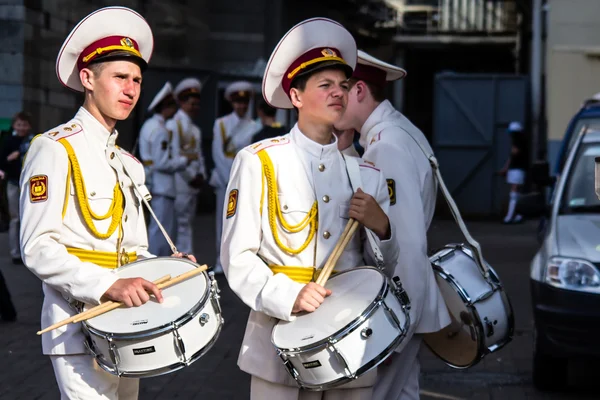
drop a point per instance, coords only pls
(349, 327)
(169, 368)
(365, 368)
(184, 319)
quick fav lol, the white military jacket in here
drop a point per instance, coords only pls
(413, 191)
(230, 134)
(145, 143)
(166, 161)
(305, 171)
(51, 220)
(187, 138)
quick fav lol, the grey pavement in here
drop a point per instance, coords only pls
(26, 374)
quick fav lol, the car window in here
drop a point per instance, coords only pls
(592, 123)
(580, 195)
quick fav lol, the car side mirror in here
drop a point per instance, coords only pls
(540, 174)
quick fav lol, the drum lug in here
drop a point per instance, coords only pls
(401, 293)
(341, 359)
(179, 342)
(288, 365)
(114, 356)
(489, 327)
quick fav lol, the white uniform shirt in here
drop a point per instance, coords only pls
(166, 160)
(305, 171)
(45, 233)
(238, 134)
(410, 177)
(187, 137)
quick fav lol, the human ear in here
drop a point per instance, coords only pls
(361, 91)
(296, 97)
(87, 78)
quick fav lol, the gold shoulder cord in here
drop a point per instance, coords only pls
(225, 141)
(115, 210)
(274, 209)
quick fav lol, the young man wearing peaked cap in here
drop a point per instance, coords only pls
(384, 134)
(270, 257)
(80, 216)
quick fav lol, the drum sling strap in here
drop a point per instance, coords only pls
(475, 247)
(353, 170)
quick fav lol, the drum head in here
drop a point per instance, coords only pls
(457, 344)
(179, 299)
(353, 292)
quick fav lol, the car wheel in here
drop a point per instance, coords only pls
(549, 372)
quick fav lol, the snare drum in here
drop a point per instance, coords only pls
(482, 316)
(356, 328)
(156, 338)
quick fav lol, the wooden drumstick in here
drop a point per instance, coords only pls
(164, 285)
(327, 270)
(94, 309)
(83, 315)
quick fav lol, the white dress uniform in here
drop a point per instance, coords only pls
(56, 241)
(230, 134)
(187, 138)
(288, 204)
(306, 172)
(412, 186)
(80, 216)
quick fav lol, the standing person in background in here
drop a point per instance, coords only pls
(157, 119)
(161, 164)
(11, 159)
(514, 170)
(270, 127)
(187, 140)
(231, 133)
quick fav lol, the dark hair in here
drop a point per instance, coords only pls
(267, 109)
(23, 116)
(377, 92)
(96, 68)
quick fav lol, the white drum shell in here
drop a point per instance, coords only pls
(465, 289)
(323, 366)
(161, 350)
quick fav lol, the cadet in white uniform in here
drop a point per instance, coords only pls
(169, 107)
(289, 199)
(412, 187)
(161, 163)
(80, 217)
(187, 140)
(231, 133)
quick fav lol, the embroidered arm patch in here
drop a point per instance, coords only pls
(38, 188)
(232, 203)
(392, 191)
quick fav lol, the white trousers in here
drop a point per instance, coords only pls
(220, 200)
(185, 209)
(264, 390)
(164, 208)
(12, 195)
(398, 376)
(80, 378)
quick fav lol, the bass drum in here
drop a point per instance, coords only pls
(482, 316)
